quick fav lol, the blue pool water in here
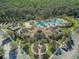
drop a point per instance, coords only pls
(49, 22)
(12, 54)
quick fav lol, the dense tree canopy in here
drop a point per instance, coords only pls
(37, 9)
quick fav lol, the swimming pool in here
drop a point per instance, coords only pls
(54, 22)
(12, 54)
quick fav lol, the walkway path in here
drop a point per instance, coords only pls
(70, 54)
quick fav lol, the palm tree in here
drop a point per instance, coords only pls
(39, 35)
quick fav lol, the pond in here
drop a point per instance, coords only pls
(46, 23)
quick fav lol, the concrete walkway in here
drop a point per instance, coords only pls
(69, 54)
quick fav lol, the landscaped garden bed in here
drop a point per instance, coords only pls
(52, 35)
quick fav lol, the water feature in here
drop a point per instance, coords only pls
(50, 22)
(12, 54)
